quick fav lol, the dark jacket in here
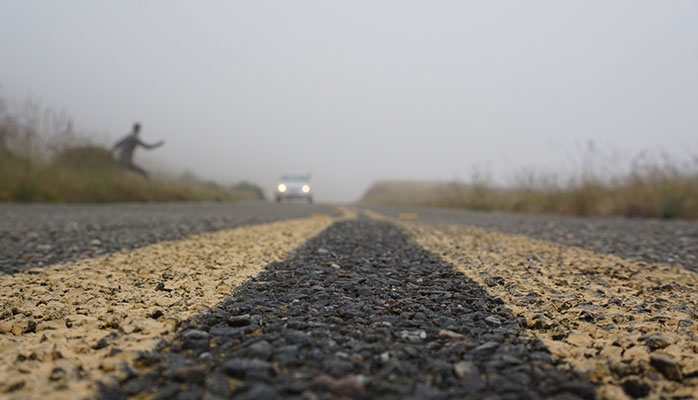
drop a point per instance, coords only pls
(128, 144)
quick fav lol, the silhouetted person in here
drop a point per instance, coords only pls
(126, 147)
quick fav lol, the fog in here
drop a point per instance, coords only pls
(358, 91)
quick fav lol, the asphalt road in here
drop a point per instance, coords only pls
(37, 235)
(672, 242)
(263, 300)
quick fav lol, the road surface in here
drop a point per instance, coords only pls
(297, 301)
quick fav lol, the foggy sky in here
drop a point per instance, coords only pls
(357, 91)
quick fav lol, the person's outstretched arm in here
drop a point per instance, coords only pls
(155, 145)
(151, 146)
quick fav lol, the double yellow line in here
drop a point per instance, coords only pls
(597, 313)
(64, 327)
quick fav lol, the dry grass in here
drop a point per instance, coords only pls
(654, 187)
(42, 159)
(405, 192)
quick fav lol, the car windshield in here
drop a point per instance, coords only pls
(292, 178)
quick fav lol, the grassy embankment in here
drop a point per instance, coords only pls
(652, 188)
(43, 160)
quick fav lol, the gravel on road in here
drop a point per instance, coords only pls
(359, 311)
(66, 326)
(671, 242)
(374, 307)
(38, 235)
(630, 326)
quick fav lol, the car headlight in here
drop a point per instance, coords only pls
(282, 188)
(306, 189)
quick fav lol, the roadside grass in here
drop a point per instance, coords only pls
(653, 188)
(43, 160)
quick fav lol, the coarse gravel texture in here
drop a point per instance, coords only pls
(359, 311)
(38, 235)
(630, 326)
(67, 326)
(671, 242)
(617, 325)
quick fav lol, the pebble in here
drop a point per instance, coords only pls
(194, 334)
(241, 367)
(261, 350)
(656, 341)
(666, 366)
(636, 388)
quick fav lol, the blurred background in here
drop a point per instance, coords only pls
(576, 107)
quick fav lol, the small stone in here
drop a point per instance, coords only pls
(464, 369)
(286, 354)
(12, 385)
(494, 280)
(412, 335)
(194, 334)
(582, 390)
(299, 338)
(256, 391)
(579, 339)
(338, 367)
(189, 374)
(622, 369)
(295, 388)
(322, 251)
(348, 386)
(656, 341)
(636, 388)
(241, 367)
(218, 384)
(493, 321)
(58, 374)
(261, 350)
(168, 392)
(446, 334)
(666, 366)
(637, 353)
(240, 320)
(487, 346)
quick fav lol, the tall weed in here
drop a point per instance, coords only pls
(43, 159)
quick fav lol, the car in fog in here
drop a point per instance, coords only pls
(294, 186)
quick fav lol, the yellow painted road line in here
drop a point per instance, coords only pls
(375, 215)
(408, 216)
(381, 217)
(347, 213)
(64, 327)
(610, 318)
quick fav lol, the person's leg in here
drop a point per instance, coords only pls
(133, 167)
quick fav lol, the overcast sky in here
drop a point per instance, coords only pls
(357, 91)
